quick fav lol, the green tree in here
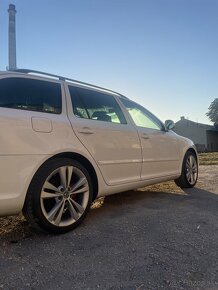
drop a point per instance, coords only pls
(212, 113)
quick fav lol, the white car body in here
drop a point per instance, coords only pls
(123, 156)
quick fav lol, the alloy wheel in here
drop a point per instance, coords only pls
(64, 196)
(191, 169)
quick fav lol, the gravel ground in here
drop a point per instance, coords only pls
(159, 237)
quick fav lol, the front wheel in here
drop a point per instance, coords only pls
(189, 173)
(59, 196)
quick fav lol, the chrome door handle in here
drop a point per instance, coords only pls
(145, 136)
(86, 130)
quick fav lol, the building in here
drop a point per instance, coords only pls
(204, 136)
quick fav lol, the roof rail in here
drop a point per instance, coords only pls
(61, 78)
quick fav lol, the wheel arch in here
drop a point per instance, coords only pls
(86, 163)
(77, 157)
(184, 152)
(191, 149)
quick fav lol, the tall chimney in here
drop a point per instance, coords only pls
(12, 38)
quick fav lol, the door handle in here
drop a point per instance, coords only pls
(86, 130)
(145, 136)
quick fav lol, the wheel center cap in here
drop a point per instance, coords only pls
(66, 194)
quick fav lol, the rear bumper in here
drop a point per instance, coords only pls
(16, 173)
(11, 205)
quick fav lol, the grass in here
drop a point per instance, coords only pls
(208, 158)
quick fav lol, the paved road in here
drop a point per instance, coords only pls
(159, 238)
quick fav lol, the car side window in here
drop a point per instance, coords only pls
(31, 95)
(90, 104)
(141, 116)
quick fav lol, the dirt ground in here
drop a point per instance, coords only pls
(208, 178)
(159, 237)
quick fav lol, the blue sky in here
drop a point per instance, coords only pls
(163, 54)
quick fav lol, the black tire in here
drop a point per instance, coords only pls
(58, 211)
(189, 175)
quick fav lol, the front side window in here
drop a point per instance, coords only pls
(95, 105)
(142, 117)
(31, 95)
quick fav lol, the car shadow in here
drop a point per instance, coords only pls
(156, 199)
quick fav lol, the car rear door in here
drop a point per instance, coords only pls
(101, 126)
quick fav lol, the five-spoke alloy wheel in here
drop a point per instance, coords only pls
(59, 196)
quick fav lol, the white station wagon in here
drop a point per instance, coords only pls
(64, 143)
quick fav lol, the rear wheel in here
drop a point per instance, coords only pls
(189, 174)
(59, 196)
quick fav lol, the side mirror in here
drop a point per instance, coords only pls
(169, 124)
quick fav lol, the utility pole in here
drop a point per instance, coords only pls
(12, 38)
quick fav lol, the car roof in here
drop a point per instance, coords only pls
(61, 78)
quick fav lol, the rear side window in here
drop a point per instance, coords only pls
(95, 105)
(31, 95)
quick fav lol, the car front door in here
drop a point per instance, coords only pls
(101, 126)
(159, 147)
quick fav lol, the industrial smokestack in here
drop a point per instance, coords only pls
(12, 38)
